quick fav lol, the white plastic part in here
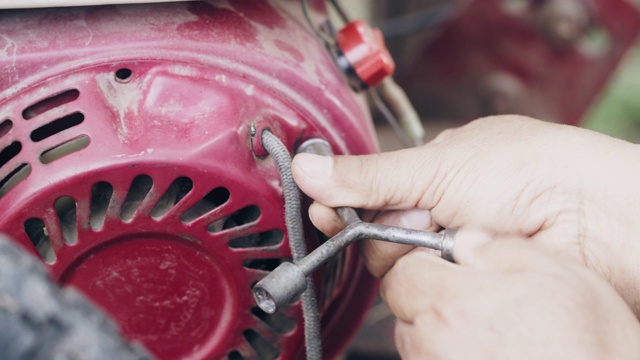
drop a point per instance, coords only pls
(23, 4)
(407, 116)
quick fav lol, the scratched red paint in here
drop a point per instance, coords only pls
(200, 75)
(259, 11)
(292, 51)
(213, 24)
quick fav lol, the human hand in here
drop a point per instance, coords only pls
(506, 175)
(509, 299)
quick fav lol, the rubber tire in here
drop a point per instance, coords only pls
(40, 320)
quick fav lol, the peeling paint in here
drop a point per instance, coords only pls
(221, 78)
(83, 23)
(122, 98)
(5, 52)
(148, 151)
(183, 70)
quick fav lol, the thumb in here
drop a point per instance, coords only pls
(394, 180)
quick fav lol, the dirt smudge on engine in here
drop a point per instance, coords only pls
(122, 99)
(216, 24)
(259, 11)
(290, 50)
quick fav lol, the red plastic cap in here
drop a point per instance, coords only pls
(365, 50)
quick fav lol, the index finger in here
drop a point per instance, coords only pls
(381, 255)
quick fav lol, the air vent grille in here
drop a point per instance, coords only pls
(15, 166)
(102, 194)
(39, 236)
(51, 234)
(138, 191)
(179, 188)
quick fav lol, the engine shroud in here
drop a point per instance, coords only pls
(126, 165)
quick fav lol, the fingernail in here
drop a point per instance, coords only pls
(316, 166)
(416, 219)
(312, 213)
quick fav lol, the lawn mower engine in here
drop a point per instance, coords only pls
(126, 165)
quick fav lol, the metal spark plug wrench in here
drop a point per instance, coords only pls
(288, 280)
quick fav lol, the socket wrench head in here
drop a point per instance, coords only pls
(448, 240)
(280, 287)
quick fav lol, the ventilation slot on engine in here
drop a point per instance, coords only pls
(235, 355)
(264, 349)
(138, 191)
(5, 127)
(14, 178)
(263, 264)
(66, 209)
(176, 192)
(16, 175)
(278, 322)
(57, 126)
(64, 149)
(100, 198)
(37, 233)
(264, 239)
(50, 103)
(211, 201)
(244, 216)
(10, 152)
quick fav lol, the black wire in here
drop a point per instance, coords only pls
(414, 23)
(340, 10)
(324, 37)
(390, 117)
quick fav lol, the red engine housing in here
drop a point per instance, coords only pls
(125, 163)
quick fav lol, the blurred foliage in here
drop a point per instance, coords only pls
(617, 113)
